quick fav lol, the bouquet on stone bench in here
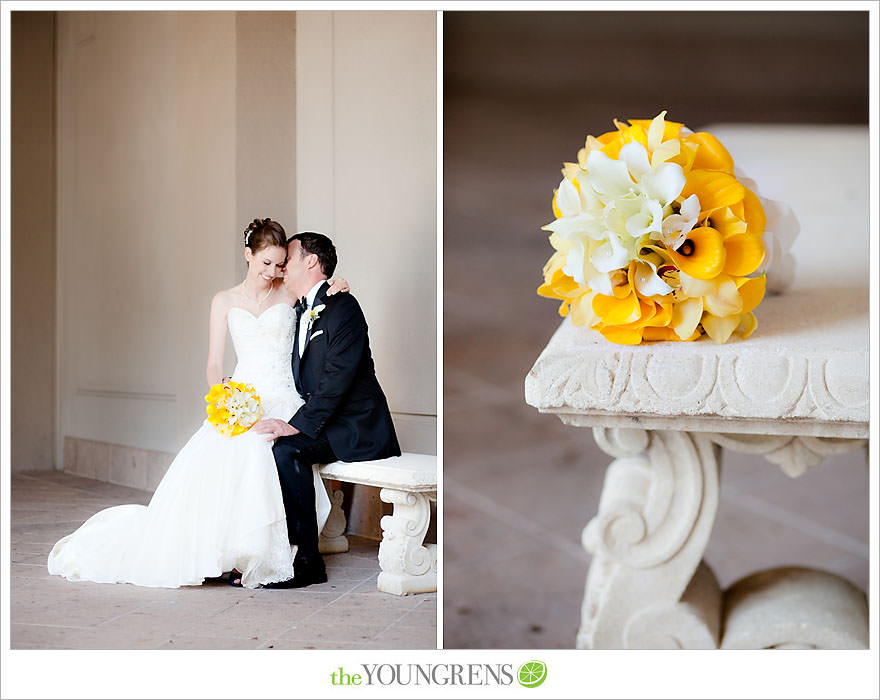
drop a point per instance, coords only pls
(233, 407)
(656, 238)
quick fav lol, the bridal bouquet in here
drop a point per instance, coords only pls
(655, 237)
(233, 407)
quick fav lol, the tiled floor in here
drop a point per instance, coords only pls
(519, 486)
(49, 612)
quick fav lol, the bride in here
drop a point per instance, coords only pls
(219, 507)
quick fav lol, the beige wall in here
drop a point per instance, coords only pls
(174, 130)
(265, 103)
(162, 140)
(146, 225)
(366, 166)
(32, 244)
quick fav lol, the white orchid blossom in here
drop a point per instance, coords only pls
(582, 271)
(648, 282)
(676, 226)
(243, 408)
(607, 207)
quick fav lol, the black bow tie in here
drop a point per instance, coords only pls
(301, 305)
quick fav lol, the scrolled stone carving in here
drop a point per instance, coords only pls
(795, 455)
(578, 373)
(333, 539)
(407, 565)
(605, 378)
(650, 504)
(654, 520)
(688, 380)
(646, 587)
(694, 622)
(621, 442)
(761, 386)
(795, 608)
(833, 383)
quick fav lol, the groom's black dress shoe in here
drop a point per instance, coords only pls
(305, 573)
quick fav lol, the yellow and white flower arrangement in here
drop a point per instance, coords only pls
(655, 237)
(233, 407)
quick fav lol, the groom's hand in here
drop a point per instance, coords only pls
(274, 428)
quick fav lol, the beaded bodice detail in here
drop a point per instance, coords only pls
(263, 346)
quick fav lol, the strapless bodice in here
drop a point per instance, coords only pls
(263, 346)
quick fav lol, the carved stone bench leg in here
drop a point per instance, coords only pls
(795, 608)
(644, 588)
(647, 586)
(332, 539)
(407, 566)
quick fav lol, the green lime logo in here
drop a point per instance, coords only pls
(532, 673)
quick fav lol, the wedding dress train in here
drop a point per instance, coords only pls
(219, 505)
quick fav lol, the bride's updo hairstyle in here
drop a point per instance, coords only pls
(262, 233)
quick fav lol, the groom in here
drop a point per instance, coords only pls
(345, 415)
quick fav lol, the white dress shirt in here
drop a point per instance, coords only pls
(305, 323)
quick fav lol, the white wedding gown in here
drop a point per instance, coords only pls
(219, 505)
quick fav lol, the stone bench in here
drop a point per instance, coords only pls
(410, 483)
(796, 392)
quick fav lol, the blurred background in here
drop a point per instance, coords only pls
(521, 92)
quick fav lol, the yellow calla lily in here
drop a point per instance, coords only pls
(702, 254)
(582, 310)
(753, 213)
(217, 391)
(653, 315)
(687, 154)
(715, 189)
(718, 328)
(632, 134)
(662, 316)
(748, 324)
(615, 311)
(624, 306)
(611, 143)
(630, 333)
(653, 334)
(729, 221)
(725, 300)
(560, 286)
(711, 154)
(622, 336)
(686, 317)
(744, 254)
(751, 291)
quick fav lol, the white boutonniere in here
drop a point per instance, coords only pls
(314, 313)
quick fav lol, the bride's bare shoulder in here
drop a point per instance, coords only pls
(224, 299)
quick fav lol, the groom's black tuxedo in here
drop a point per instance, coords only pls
(335, 376)
(345, 415)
